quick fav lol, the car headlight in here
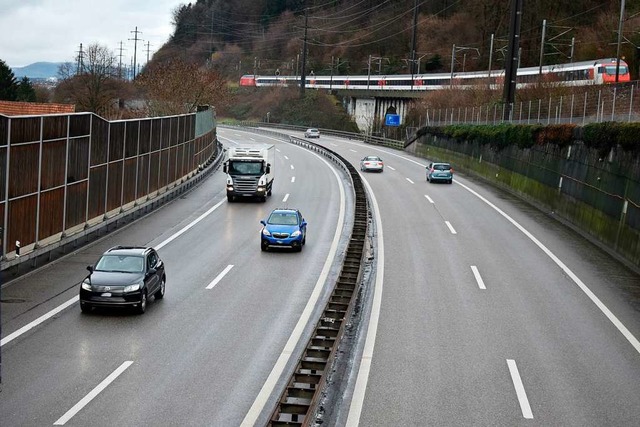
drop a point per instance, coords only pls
(86, 285)
(266, 232)
(132, 288)
(295, 233)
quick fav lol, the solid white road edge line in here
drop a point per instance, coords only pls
(286, 197)
(267, 389)
(220, 276)
(520, 392)
(453, 231)
(58, 309)
(93, 393)
(476, 274)
(357, 401)
(616, 322)
(36, 322)
(612, 318)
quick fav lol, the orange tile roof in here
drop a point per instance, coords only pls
(12, 108)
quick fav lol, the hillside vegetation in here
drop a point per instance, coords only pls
(265, 36)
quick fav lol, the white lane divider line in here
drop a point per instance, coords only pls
(286, 157)
(92, 394)
(220, 276)
(410, 181)
(292, 167)
(429, 198)
(351, 149)
(522, 394)
(391, 168)
(278, 150)
(335, 145)
(251, 139)
(251, 419)
(603, 308)
(453, 231)
(286, 197)
(58, 309)
(476, 274)
(293, 179)
(36, 322)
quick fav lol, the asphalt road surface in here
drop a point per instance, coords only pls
(483, 311)
(488, 312)
(202, 354)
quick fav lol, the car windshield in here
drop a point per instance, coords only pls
(245, 168)
(442, 167)
(372, 159)
(283, 218)
(121, 263)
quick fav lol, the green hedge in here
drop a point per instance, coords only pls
(601, 136)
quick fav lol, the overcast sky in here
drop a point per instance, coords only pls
(52, 30)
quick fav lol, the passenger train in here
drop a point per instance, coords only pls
(595, 72)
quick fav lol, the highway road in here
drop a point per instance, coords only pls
(483, 310)
(203, 355)
(487, 311)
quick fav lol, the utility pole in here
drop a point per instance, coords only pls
(619, 40)
(303, 74)
(544, 29)
(148, 50)
(511, 69)
(490, 58)
(120, 62)
(135, 49)
(80, 63)
(413, 40)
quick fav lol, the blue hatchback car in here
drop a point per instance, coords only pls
(439, 172)
(285, 228)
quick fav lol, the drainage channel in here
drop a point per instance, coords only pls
(298, 402)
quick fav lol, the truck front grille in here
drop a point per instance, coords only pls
(245, 185)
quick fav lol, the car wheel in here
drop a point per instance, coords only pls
(142, 307)
(86, 308)
(263, 199)
(230, 198)
(304, 240)
(450, 181)
(264, 246)
(160, 292)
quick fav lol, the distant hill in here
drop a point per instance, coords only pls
(37, 70)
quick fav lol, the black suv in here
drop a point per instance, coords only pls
(125, 276)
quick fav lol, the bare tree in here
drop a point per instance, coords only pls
(178, 87)
(96, 87)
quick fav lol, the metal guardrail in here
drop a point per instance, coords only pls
(369, 139)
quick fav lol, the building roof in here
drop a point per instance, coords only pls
(13, 108)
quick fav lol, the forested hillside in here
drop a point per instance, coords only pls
(246, 36)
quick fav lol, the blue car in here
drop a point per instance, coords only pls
(285, 228)
(439, 172)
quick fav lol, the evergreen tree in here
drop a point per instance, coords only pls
(8, 84)
(25, 91)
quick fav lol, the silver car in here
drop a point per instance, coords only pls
(312, 133)
(372, 163)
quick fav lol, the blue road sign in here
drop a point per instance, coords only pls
(392, 120)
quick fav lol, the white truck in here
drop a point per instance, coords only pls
(250, 171)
